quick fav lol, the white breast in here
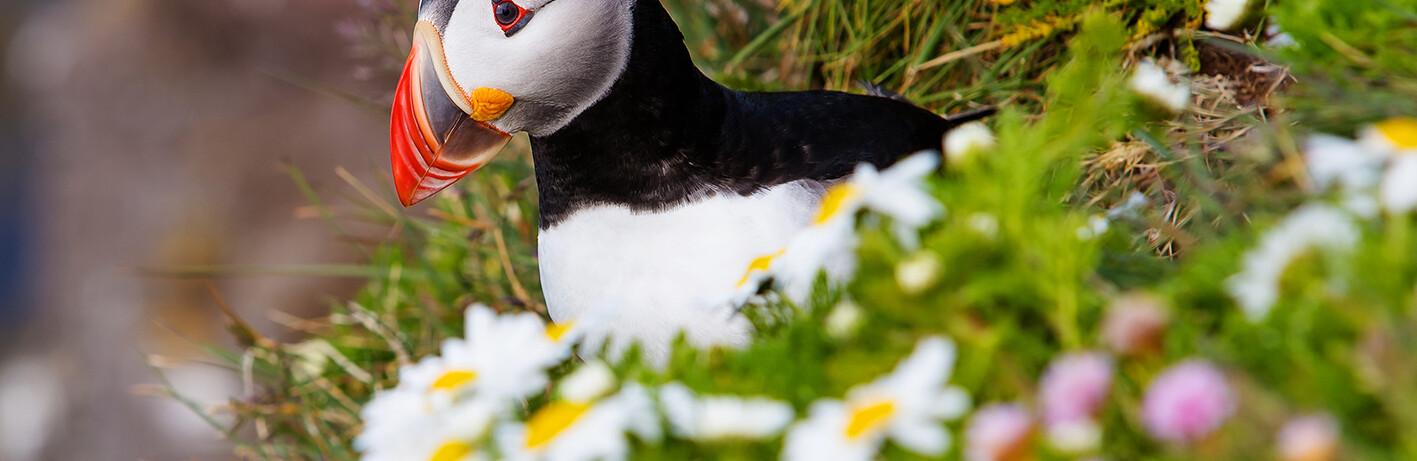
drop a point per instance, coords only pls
(652, 275)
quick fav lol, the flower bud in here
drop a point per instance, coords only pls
(918, 272)
(1312, 438)
(1135, 325)
(1156, 89)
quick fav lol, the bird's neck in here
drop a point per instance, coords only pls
(637, 146)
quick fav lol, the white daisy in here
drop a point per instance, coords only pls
(1378, 171)
(1398, 193)
(1395, 136)
(593, 337)
(829, 243)
(900, 193)
(401, 427)
(1397, 139)
(1225, 14)
(1256, 287)
(826, 247)
(474, 377)
(1373, 173)
(565, 430)
(1334, 161)
(906, 406)
(1155, 87)
(480, 363)
(1365, 206)
(591, 381)
(722, 418)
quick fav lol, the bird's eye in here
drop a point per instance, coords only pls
(510, 16)
(507, 13)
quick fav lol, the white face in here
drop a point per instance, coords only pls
(554, 57)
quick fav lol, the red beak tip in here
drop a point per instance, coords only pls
(412, 195)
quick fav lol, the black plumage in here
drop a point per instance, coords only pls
(666, 134)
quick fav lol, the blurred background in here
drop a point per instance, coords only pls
(142, 134)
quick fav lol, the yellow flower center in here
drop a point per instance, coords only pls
(836, 197)
(760, 264)
(451, 451)
(556, 331)
(1402, 131)
(452, 380)
(551, 420)
(868, 418)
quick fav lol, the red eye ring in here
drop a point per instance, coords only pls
(510, 16)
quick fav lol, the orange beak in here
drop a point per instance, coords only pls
(433, 141)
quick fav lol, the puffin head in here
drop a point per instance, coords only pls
(483, 70)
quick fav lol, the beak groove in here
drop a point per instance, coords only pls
(433, 142)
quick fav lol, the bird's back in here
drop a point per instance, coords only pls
(777, 137)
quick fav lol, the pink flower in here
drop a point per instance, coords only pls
(998, 432)
(1313, 438)
(1135, 325)
(1187, 402)
(1074, 387)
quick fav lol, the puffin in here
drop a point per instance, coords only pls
(658, 187)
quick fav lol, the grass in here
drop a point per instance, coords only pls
(1073, 143)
